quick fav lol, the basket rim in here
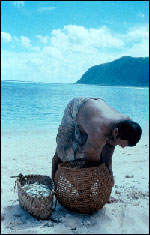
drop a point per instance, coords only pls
(19, 185)
(32, 175)
(61, 166)
(26, 177)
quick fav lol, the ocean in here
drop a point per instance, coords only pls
(36, 107)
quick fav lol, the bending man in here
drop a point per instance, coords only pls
(91, 129)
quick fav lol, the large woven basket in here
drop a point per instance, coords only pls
(39, 207)
(81, 187)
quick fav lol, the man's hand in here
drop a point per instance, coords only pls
(111, 172)
(113, 181)
(79, 155)
(112, 200)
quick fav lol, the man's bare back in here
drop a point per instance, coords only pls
(98, 112)
(96, 118)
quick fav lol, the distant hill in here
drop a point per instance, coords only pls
(126, 71)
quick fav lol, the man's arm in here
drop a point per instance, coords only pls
(55, 162)
(93, 147)
(90, 122)
(106, 155)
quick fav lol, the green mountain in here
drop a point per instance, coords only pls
(126, 71)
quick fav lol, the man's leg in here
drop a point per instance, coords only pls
(55, 162)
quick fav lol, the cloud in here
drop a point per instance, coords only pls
(6, 36)
(53, 52)
(65, 54)
(18, 4)
(139, 49)
(25, 42)
(16, 39)
(45, 9)
(138, 33)
(43, 39)
(72, 34)
(141, 15)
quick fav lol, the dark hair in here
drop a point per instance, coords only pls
(129, 130)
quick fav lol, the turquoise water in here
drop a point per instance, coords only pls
(39, 106)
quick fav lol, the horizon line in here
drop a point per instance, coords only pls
(127, 86)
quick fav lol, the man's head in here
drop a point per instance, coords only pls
(126, 133)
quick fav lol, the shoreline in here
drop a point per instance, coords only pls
(76, 83)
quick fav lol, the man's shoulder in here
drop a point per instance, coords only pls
(90, 117)
(90, 109)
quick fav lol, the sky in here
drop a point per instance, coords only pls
(58, 41)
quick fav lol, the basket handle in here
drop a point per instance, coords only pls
(20, 176)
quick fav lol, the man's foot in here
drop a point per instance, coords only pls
(112, 200)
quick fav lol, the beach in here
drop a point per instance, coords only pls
(56, 55)
(31, 153)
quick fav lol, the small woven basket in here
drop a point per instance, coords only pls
(39, 207)
(81, 187)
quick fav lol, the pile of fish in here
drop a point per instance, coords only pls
(37, 190)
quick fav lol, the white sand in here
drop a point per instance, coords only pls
(32, 154)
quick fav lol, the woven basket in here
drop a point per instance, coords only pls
(83, 188)
(39, 207)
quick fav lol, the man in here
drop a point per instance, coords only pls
(91, 129)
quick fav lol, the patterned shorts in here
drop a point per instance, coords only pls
(70, 140)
